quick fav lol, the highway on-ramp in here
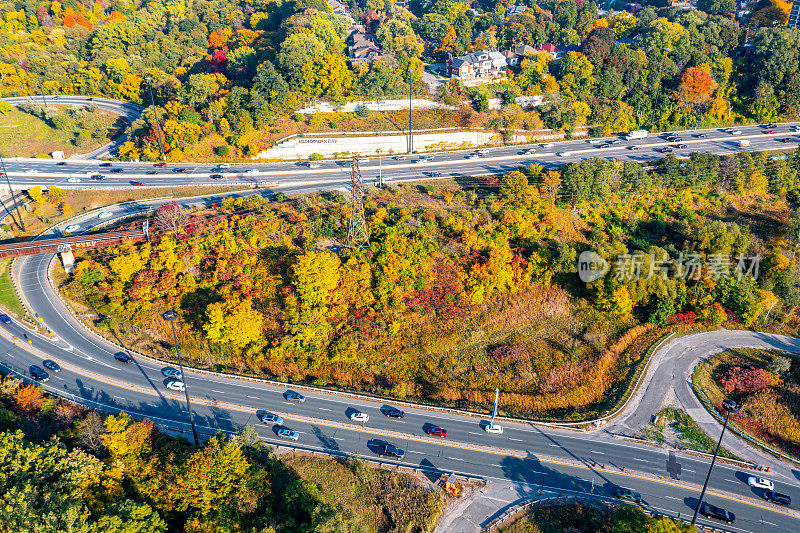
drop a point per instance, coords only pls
(532, 456)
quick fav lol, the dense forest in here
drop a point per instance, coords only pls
(220, 70)
(64, 468)
(464, 288)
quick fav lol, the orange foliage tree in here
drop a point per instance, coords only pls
(696, 86)
(29, 399)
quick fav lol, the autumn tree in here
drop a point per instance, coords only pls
(696, 86)
(551, 183)
(29, 399)
(171, 218)
(316, 274)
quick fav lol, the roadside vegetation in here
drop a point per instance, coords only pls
(675, 427)
(38, 132)
(767, 386)
(8, 295)
(593, 519)
(466, 286)
(66, 468)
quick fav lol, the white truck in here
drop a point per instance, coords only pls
(636, 134)
(744, 142)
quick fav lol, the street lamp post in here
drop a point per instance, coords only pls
(11, 192)
(730, 406)
(155, 117)
(170, 317)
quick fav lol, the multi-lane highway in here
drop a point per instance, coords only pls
(457, 164)
(532, 456)
(529, 455)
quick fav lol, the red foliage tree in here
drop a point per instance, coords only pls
(745, 379)
(683, 318)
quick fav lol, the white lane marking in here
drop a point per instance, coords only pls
(323, 408)
(473, 433)
(119, 397)
(595, 451)
(455, 458)
(253, 397)
(518, 440)
(414, 451)
(673, 498)
(551, 444)
(731, 480)
(687, 470)
(770, 523)
(640, 460)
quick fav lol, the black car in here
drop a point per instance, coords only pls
(216, 176)
(433, 174)
(61, 163)
(5, 319)
(178, 169)
(665, 150)
(105, 165)
(393, 412)
(628, 494)
(681, 146)
(39, 374)
(701, 135)
(51, 365)
(150, 172)
(777, 497)
(387, 450)
(116, 170)
(711, 511)
(786, 140)
(123, 358)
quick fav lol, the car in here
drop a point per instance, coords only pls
(760, 482)
(270, 418)
(399, 158)
(73, 180)
(681, 146)
(472, 156)
(358, 416)
(105, 214)
(795, 128)
(677, 138)
(495, 429)
(51, 365)
(251, 171)
(105, 165)
(117, 170)
(711, 511)
(98, 177)
(771, 126)
(436, 431)
(39, 374)
(547, 145)
(286, 433)
(313, 165)
(772, 132)
(224, 165)
(145, 207)
(56, 97)
(123, 358)
(31, 171)
(604, 146)
(363, 160)
(137, 183)
(529, 151)
(150, 172)
(562, 154)
(633, 147)
(178, 170)
(216, 176)
(701, 135)
(176, 384)
(665, 150)
(171, 372)
(5, 319)
(292, 396)
(61, 163)
(736, 132)
(387, 450)
(432, 174)
(160, 165)
(785, 140)
(614, 141)
(393, 412)
(777, 497)
(72, 228)
(628, 494)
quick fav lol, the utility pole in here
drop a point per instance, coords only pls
(155, 117)
(730, 406)
(410, 133)
(357, 234)
(494, 410)
(11, 192)
(170, 317)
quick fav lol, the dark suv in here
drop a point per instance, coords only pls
(39, 374)
(710, 511)
(387, 450)
(777, 497)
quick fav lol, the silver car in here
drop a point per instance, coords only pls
(270, 418)
(170, 372)
(286, 433)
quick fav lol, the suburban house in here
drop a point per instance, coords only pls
(549, 48)
(362, 47)
(477, 68)
(339, 8)
(516, 10)
(516, 55)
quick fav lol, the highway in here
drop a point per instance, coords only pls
(532, 456)
(456, 165)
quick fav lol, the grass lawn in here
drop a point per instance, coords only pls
(8, 296)
(592, 519)
(687, 432)
(25, 135)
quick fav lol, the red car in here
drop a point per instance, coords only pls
(772, 132)
(436, 431)
(137, 183)
(160, 165)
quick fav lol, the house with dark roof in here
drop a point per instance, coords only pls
(362, 47)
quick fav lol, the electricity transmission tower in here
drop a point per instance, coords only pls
(357, 234)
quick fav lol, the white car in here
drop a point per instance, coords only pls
(562, 154)
(176, 384)
(224, 165)
(286, 433)
(313, 165)
(270, 418)
(736, 132)
(251, 171)
(364, 160)
(171, 372)
(760, 483)
(399, 158)
(74, 180)
(493, 428)
(72, 228)
(547, 145)
(31, 171)
(473, 156)
(106, 214)
(358, 416)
